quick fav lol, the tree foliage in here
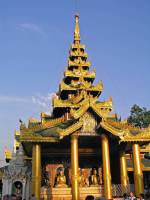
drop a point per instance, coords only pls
(139, 117)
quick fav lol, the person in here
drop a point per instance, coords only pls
(125, 196)
(132, 196)
(33, 197)
(89, 197)
(141, 196)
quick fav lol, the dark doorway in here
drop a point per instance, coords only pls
(17, 188)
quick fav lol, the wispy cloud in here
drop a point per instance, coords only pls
(40, 100)
(13, 99)
(30, 27)
(43, 101)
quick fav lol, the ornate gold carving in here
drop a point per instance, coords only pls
(73, 63)
(70, 129)
(53, 122)
(78, 113)
(85, 74)
(75, 46)
(97, 88)
(98, 111)
(126, 132)
(89, 123)
(78, 52)
(8, 154)
(30, 137)
(111, 129)
(64, 86)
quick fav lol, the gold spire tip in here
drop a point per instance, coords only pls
(77, 29)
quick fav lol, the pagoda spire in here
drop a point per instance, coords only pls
(77, 30)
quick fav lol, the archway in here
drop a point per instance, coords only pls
(17, 188)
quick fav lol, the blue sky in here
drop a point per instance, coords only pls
(35, 37)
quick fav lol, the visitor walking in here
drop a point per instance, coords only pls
(132, 196)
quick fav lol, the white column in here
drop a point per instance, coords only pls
(23, 189)
(10, 184)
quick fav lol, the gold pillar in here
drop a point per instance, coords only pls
(74, 168)
(36, 170)
(123, 171)
(137, 167)
(106, 167)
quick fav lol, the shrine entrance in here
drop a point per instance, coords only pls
(17, 188)
(56, 161)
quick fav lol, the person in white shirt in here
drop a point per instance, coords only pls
(132, 196)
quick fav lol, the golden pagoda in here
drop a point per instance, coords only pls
(83, 148)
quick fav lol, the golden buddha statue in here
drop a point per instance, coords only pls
(61, 180)
(83, 182)
(94, 178)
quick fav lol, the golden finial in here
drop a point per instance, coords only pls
(77, 30)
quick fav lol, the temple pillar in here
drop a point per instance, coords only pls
(123, 171)
(106, 167)
(74, 167)
(137, 167)
(36, 170)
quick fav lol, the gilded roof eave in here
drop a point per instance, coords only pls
(111, 129)
(125, 133)
(70, 130)
(56, 133)
(37, 138)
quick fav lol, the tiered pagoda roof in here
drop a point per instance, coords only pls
(77, 96)
(76, 90)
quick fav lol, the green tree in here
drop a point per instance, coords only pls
(139, 117)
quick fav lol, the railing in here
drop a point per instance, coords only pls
(118, 190)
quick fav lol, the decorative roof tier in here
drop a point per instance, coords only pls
(78, 80)
(76, 74)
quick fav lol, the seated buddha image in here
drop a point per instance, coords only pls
(61, 179)
(94, 178)
(83, 181)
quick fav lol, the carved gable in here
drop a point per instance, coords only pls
(89, 123)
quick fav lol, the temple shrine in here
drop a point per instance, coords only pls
(82, 148)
